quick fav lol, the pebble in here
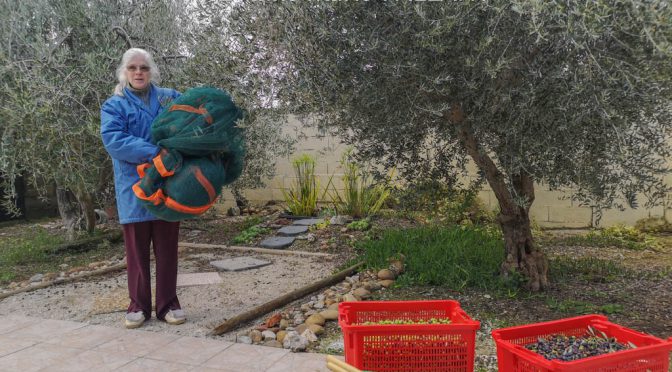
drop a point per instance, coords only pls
(284, 323)
(350, 298)
(36, 278)
(244, 340)
(386, 283)
(301, 328)
(329, 314)
(361, 293)
(280, 336)
(273, 343)
(309, 335)
(319, 305)
(295, 342)
(316, 329)
(315, 319)
(385, 274)
(268, 335)
(255, 336)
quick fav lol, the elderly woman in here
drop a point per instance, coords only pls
(126, 120)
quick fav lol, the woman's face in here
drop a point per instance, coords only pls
(137, 73)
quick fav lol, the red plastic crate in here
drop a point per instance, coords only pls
(417, 347)
(651, 354)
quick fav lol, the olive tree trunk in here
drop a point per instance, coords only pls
(68, 208)
(521, 254)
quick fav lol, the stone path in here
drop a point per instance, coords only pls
(34, 344)
(288, 233)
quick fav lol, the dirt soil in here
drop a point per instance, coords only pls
(633, 288)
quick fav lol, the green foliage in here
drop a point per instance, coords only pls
(361, 197)
(653, 225)
(581, 307)
(248, 235)
(33, 248)
(620, 236)
(443, 204)
(301, 198)
(250, 221)
(360, 225)
(590, 269)
(455, 257)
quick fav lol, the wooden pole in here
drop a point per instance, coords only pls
(282, 300)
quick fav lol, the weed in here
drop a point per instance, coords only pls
(589, 269)
(455, 257)
(616, 236)
(246, 236)
(251, 221)
(360, 225)
(581, 307)
(301, 198)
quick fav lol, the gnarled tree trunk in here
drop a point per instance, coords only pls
(68, 208)
(521, 255)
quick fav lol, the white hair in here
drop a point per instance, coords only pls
(154, 75)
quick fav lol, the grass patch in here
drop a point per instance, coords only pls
(38, 251)
(581, 307)
(616, 236)
(589, 269)
(248, 235)
(455, 257)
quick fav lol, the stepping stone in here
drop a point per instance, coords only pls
(277, 242)
(239, 263)
(308, 221)
(185, 280)
(292, 230)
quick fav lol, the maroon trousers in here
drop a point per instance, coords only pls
(137, 237)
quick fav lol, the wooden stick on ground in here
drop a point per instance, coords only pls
(338, 365)
(283, 300)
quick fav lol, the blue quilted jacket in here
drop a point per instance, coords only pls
(125, 128)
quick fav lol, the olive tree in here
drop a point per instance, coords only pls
(57, 66)
(569, 94)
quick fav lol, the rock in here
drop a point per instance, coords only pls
(386, 283)
(349, 298)
(330, 301)
(361, 293)
(307, 306)
(333, 306)
(13, 285)
(36, 278)
(397, 266)
(280, 336)
(319, 305)
(339, 220)
(337, 346)
(352, 279)
(329, 314)
(372, 286)
(344, 229)
(309, 335)
(301, 327)
(308, 222)
(268, 335)
(244, 340)
(315, 319)
(309, 312)
(273, 343)
(64, 266)
(386, 274)
(316, 329)
(256, 336)
(292, 230)
(299, 319)
(233, 211)
(294, 342)
(284, 323)
(311, 238)
(277, 242)
(239, 263)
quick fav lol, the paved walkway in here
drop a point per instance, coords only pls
(32, 344)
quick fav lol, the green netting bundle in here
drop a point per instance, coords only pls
(204, 150)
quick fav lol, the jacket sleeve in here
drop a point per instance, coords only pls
(118, 142)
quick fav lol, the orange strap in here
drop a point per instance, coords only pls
(141, 168)
(172, 204)
(200, 110)
(156, 198)
(205, 183)
(158, 163)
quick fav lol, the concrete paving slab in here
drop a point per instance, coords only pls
(277, 242)
(292, 230)
(184, 280)
(308, 221)
(239, 263)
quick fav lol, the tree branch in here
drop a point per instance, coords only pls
(121, 32)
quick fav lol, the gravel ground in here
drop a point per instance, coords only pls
(103, 300)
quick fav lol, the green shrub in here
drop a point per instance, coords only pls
(246, 236)
(456, 256)
(443, 204)
(360, 225)
(301, 198)
(251, 221)
(361, 196)
(654, 225)
(617, 236)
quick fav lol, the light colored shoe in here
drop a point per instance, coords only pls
(176, 316)
(134, 320)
